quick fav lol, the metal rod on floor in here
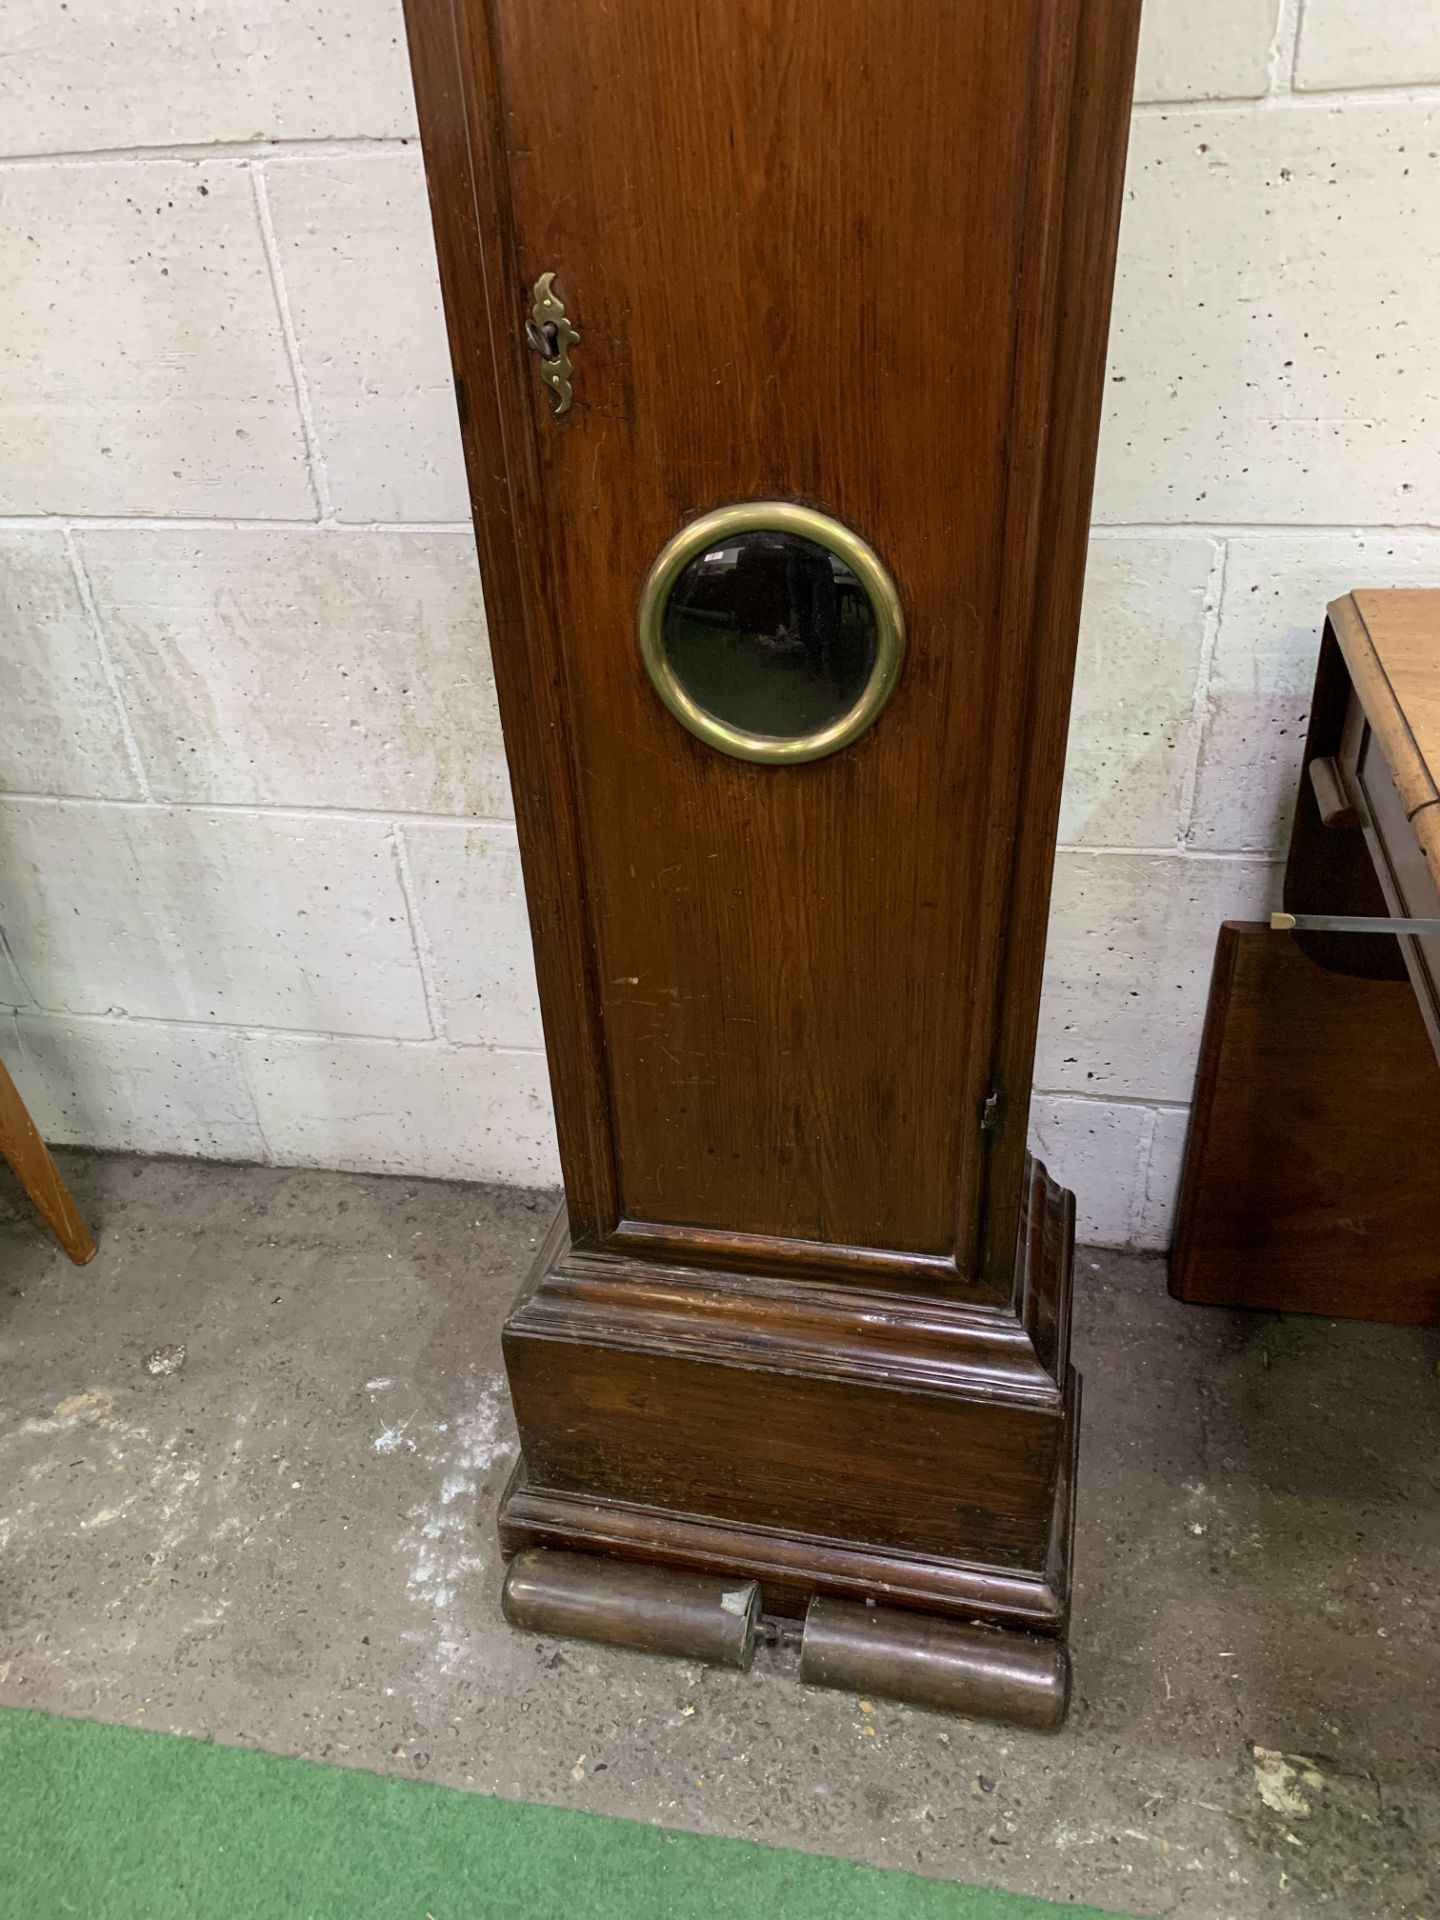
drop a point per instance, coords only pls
(1348, 923)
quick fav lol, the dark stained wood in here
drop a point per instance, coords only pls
(1067, 329)
(1312, 1175)
(793, 1567)
(743, 1252)
(765, 1447)
(1310, 1178)
(867, 321)
(458, 92)
(807, 1314)
(1021, 1679)
(868, 1430)
(752, 303)
(29, 1159)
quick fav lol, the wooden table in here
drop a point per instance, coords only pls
(1312, 1172)
(1389, 760)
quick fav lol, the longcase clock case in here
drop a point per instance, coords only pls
(778, 330)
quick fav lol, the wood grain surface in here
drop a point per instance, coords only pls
(1310, 1182)
(824, 255)
(1391, 642)
(806, 1315)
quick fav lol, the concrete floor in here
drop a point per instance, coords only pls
(278, 1545)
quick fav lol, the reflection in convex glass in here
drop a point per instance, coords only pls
(771, 633)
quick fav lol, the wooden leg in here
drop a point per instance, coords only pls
(29, 1160)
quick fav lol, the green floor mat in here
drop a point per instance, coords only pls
(117, 1824)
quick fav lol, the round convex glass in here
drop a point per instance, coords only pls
(772, 632)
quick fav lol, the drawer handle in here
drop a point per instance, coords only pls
(1330, 796)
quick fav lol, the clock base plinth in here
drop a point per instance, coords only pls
(830, 1442)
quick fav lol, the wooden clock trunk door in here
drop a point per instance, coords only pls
(811, 250)
(853, 255)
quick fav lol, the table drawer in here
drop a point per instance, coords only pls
(1408, 884)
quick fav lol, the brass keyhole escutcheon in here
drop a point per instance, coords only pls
(550, 336)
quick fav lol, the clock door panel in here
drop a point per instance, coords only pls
(794, 274)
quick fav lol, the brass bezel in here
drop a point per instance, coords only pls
(710, 530)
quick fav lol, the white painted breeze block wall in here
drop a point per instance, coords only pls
(257, 872)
